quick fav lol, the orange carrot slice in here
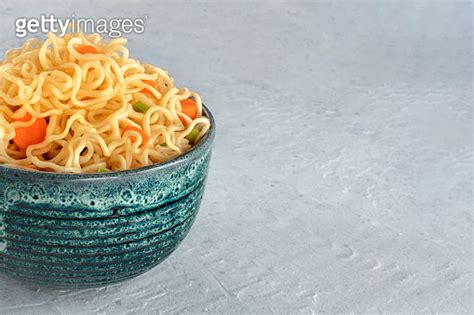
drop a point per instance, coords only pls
(86, 49)
(189, 108)
(151, 83)
(144, 136)
(34, 134)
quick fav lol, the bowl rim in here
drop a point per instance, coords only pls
(207, 140)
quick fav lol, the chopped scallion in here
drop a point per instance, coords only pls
(192, 136)
(103, 170)
(140, 107)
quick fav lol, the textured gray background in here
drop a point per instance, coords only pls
(342, 173)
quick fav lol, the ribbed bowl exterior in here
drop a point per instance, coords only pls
(67, 230)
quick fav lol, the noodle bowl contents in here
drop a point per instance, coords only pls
(78, 104)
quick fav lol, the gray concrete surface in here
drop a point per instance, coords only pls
(342, 174)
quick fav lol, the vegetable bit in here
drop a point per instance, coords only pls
(103, 170)
(86, 49)
(152, 84)
(140, 107)
(189, 108)
(34, 134)
(192, 135)
(143, 134)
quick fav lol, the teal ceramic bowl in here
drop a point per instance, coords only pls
(88, 230)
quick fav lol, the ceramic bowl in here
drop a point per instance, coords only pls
(88, 230)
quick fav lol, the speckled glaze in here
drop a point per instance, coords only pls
(86, 230)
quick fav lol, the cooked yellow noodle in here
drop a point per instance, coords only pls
(87, 100)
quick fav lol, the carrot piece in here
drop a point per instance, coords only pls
(144, 136)
(86, 49)
(34, 134)
(147, 91)
(189, 108)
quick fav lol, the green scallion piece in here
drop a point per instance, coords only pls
(103, 170)
(192, 136)
(140, 107)
(164, 144)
